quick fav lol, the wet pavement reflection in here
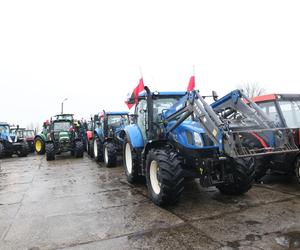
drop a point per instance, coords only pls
(79, 204)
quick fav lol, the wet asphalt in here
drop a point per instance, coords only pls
(79, 204)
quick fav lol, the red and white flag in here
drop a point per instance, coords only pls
(191, 85)
(135, 94)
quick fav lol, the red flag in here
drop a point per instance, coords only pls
(191, 85)
(135, 94)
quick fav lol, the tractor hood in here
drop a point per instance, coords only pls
(190, 135)
(63, 136)
(11, 137)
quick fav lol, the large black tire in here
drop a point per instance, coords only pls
(260, 164)
(164, 176)
(2, 150)
(243, 178)
(110, 154)
(131, 163)
(297, 169)
(50, 152)
(97, 149)
(23, 152)
(86, 144)
(91, 148)
(78, 149)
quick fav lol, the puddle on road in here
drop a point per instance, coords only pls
(290, 240)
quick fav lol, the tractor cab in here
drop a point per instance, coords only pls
(283, 109)
(149, 110)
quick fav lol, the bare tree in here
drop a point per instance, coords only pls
(252, 89)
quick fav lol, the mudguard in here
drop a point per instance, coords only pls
(135, 136)
(89, 135)
(99, 133)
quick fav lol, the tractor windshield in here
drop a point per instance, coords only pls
(291, 113)
(117, 120)
(4, 129)
(270, 109)
(29, 133)
(162, 104)
(62, 126)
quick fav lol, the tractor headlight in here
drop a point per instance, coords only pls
(198, 140)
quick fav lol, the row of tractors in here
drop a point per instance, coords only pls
(171, 136)
(15, 140)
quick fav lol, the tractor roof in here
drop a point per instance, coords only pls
(170, 93)
(4, 124)
(273, 97)
(63, 117)
(117, 113)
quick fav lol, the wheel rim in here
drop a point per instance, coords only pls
(128, 157)
(155, 183)
(38, 145)
(106, 155)
(95, 148)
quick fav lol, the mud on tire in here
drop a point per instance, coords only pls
(97, 149)
(50, 151)
(23, 152)
(297, 169)
(243, 178)
(78, 149)
(110, 154)
(130, 162)
(163, 166)
(2, 150)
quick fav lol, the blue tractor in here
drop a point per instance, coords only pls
(10, 143)
(178, 135)
(107, 144)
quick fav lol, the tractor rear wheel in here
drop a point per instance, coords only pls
(23, 152)
(78, 149)
(297, 169)
(243, 178)
(130, 162)
(98, 150)
(39, 146)
(50, 152)
(110, 154)
(2, 150)
(164, 176)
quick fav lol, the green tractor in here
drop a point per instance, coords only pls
(63, 137)
(39, 140)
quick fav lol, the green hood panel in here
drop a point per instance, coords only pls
(63, 136)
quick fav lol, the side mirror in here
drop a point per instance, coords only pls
(215, 95)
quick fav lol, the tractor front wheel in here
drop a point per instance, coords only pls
(78, 150)
(243, 178)
(23, 152)
(39, 146)
(2, 150)
(164, 176)
(98, 155)
(110, 154)
(297, 169)
(50, 152)
(130, 162)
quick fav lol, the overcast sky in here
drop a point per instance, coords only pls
(90, 51)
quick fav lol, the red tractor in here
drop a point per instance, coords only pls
(284, 110)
